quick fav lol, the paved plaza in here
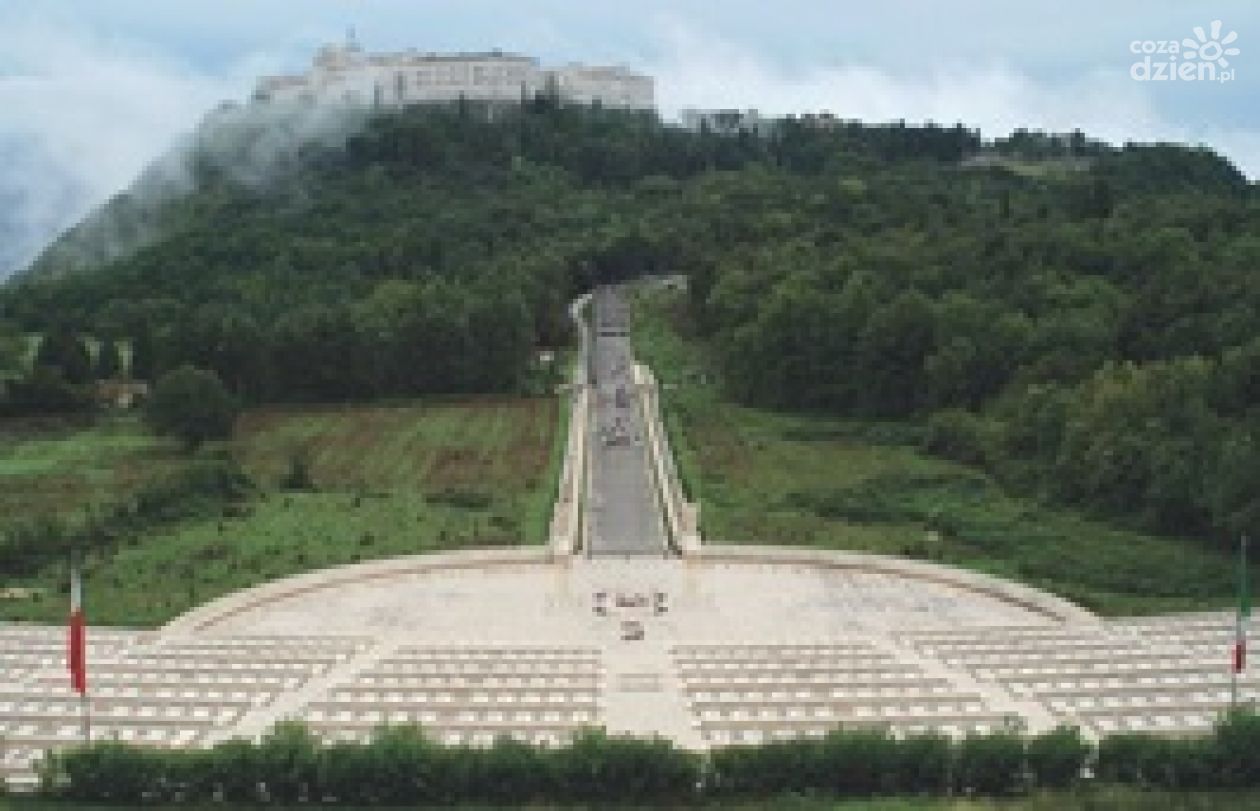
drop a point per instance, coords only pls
(713, 646)
(705, 651)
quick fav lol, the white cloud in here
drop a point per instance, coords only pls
(80, 117)
(699, 71)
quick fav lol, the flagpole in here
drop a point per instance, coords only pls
(77, 648)
(1240, 628)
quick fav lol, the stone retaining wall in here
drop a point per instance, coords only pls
(682, 517)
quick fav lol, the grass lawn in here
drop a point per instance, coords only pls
(772, 478)
(390, 480)
(51, 469)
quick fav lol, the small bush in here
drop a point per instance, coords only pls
(857, 763)
(512, 773)
(193, 406)
(956, 435)
(465, 499)
(766, 770)
(288, 763)
(1237, 740)
(1151, 761)
(107, 771)
(1057, 758)
(298, 474)
(602, 769)
(234, 770)
(921, 764)
(990, 764)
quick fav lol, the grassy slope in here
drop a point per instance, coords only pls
(775, 478)
(392, 480)
(48, 468)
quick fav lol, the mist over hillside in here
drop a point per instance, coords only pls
(34, 203)
(248, 146)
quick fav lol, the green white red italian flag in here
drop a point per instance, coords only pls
(1244, 613)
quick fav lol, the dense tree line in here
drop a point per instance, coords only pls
(1083, 337)
(429, 252)
(1078, 318)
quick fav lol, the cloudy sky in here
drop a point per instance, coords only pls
(91, 90)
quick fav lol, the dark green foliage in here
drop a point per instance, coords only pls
(106, 771)
(859, 763)
(1056, 759)
(298, 474)
(1237, 750)
(288, 759)
(143, 363)
(464, 498)
(108, 360)
(43, 391)
(400, 766)
(766, 770)
(956, 434)
(597, 768)
(1155, 762)
(233, 771)
(990, 764)
(509, 773)
(65, 351)
(12, 349)
(1094, 310)
(193, 406)
(921, 764)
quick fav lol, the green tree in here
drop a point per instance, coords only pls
(192, 405)
(108, 359)
(62, 349)
(12, 348)
(143, 365)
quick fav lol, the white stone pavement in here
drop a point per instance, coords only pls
(736, 645)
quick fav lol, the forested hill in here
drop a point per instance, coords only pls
(1075, 317)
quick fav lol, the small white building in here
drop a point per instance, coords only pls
(345, 74)
(723, 122)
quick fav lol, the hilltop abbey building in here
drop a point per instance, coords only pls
(345, 74)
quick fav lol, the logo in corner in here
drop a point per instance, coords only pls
(1205, 57)
(1210, 49)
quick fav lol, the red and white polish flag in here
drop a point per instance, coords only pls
(77, 659)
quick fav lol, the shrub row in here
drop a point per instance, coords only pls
(401, 766)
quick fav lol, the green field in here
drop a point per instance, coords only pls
(389, 480)
(772, 478)
(54, 469)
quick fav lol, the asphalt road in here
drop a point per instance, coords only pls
(625, 517)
